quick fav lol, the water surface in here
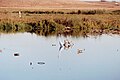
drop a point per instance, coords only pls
(41, 58)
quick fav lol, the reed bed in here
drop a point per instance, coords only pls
(56, 22)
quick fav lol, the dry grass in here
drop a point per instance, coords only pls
(47, 24)
(56, 4)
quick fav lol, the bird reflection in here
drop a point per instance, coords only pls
(66, 45)
(60, 46)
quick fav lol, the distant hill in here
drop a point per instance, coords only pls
(67, 4)
(31, 3)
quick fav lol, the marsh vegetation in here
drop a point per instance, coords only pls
(73, 22)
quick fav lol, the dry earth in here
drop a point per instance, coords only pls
(56, 4)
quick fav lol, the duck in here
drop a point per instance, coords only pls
(79, 51)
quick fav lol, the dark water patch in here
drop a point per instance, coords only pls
(40, 63)
(31, 63)
(53, 44)
(16, 54)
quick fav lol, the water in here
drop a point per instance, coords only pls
(41, 58)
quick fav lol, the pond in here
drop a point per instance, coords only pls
(26, 56)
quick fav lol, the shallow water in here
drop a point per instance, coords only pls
(42, 58)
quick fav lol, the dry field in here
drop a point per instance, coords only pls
(56, 4)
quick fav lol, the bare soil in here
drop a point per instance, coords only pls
(56, 4)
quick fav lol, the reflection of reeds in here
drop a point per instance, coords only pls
(52, 22)
(14, 27)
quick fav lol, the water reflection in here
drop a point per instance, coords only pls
(66, 31)
(66, 44)
(38, 57)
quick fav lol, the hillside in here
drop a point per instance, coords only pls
(58, 4)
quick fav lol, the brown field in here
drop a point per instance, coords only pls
(56, 4)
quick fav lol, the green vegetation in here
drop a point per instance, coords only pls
(75, 23)
(14, 27)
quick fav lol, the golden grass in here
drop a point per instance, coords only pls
(55, 23)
